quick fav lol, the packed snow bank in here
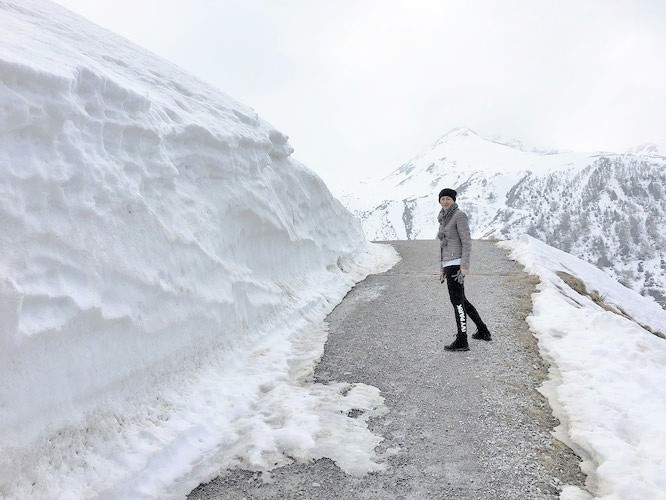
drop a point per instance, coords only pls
(608, 371)
(165, 270)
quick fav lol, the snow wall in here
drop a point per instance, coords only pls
(150, 226)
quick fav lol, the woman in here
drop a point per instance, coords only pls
(455, 248)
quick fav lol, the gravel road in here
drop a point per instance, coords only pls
(468, 425)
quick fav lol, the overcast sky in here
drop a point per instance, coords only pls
(361, 86)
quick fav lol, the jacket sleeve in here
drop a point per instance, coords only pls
(439, 261)
(462, 225)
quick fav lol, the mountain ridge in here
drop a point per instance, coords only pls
(601, 206)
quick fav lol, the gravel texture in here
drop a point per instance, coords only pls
(461, 425)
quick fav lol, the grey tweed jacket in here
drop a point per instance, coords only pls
(455, 241)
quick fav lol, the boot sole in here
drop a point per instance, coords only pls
(457, 348)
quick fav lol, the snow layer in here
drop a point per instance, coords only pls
(607, 380)
(165, 270)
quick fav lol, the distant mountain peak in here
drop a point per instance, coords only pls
(459, 132)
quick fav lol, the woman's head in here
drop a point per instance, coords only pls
(447, 197)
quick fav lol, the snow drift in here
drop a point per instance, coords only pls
(606, 346)
(163, 260)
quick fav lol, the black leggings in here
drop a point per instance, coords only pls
(461, 306)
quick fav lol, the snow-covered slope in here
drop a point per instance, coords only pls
(606, 346)
(165, 269)
(606, 208)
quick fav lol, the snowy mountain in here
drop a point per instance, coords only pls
(606, 208)
(165, 271)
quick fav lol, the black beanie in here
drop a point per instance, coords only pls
(451, 193)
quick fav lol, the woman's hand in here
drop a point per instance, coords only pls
(464, 271)
(442, 277)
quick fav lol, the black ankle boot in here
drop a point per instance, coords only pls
(460, 344)
(482, 334)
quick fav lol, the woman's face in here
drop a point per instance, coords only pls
(446, 202)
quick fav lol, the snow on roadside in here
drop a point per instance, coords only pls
(165, 271)
(607, 383)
